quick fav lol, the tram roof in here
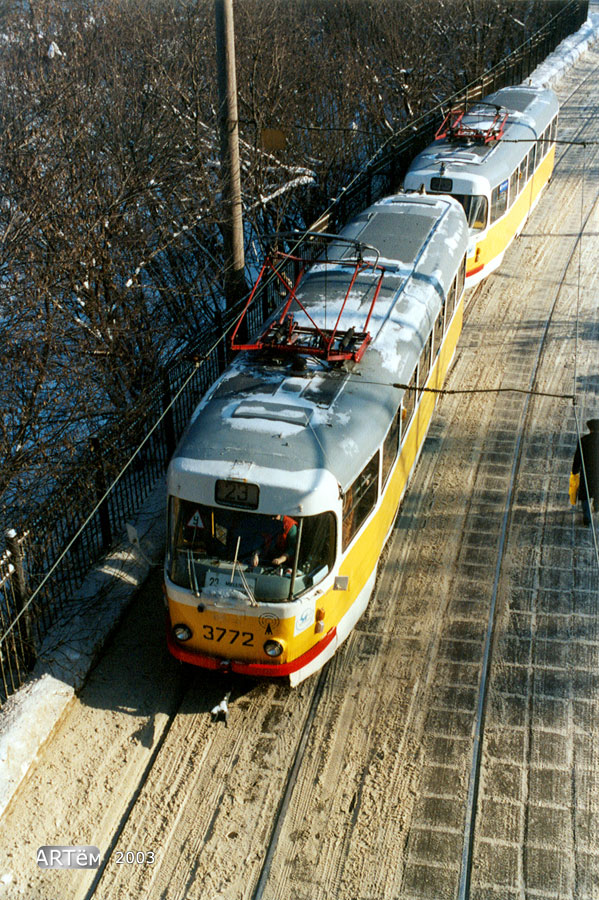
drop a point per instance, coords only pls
(304, 414)
(530, 110)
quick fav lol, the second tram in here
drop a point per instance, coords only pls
(495, 159)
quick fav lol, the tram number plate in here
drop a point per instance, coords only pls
(228, 635)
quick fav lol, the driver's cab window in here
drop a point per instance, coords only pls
(218, 551)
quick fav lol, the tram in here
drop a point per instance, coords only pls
(495, 158)
(285, 486)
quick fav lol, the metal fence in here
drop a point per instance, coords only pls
(43, 566)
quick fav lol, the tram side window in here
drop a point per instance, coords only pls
(499, 200)
(554, 130)
(360, 499)
(513, 187)
(391, 445)
(424, 366)
(522, 175)
(461, 277)
(438, 331)
(531, 162)
(450, 305)
(409, 401)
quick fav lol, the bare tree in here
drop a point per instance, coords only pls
(111, 248)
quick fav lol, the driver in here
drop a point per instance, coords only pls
(278, 541)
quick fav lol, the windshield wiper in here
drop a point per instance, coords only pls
(193, 575)
(247, 588)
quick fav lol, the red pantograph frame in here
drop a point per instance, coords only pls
(282, 335)
(455, 129)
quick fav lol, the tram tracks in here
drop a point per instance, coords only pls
(474, 775)
(466, 869)
(93, 888)
(290, 784)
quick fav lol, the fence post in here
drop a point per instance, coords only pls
(221, 348)
(168, 421)
(19, 584)
(100, 479)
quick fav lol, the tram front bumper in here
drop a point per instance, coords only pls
(307, 661)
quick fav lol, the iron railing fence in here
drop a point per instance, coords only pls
(43, 566)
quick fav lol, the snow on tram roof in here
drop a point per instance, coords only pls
(303, 414)
(530, 109)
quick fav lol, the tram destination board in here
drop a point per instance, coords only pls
(237, 493)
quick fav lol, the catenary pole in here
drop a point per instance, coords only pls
(235, 286)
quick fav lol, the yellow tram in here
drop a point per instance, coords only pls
(285, 486)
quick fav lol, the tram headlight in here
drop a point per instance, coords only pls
(273, 648)
(182, 632)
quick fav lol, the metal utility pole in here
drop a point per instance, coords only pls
(235, 286)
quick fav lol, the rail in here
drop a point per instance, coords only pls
(121, 466)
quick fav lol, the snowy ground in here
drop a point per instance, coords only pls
(550, 71)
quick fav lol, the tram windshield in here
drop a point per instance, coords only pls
(219, 552)
(476, 208)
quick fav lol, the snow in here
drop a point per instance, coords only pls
(265, 426)
(30, 715)
(295, 182)
(350, 447)
(326, 416)
(566, 54)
